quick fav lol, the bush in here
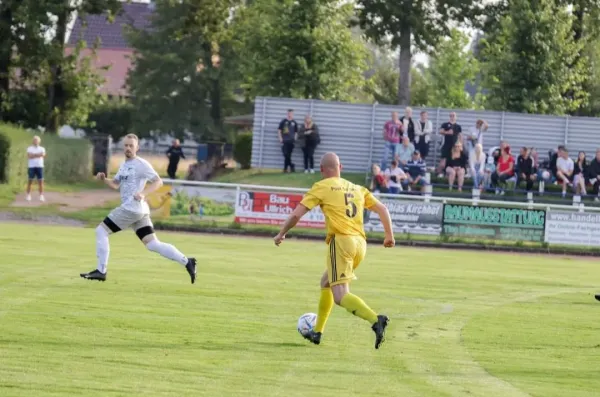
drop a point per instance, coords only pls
(67, 161)
(242, 150)
(4, 152)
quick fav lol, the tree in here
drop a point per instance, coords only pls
(299, 49)
(532, 63)
(451, 68)
(181, 68)
(402, 21)
(382, 85)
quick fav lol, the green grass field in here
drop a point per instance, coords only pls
(463, 323)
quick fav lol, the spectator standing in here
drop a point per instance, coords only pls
(308, 140)
(394, 176)
(174, 153)
(594, 174)
(405, 152)
(450, 131)
(392, 130)
(564, 169)
(408, 126)
(477, 165)
(475, 135)
(456, 166)
(526, 169)
(581, 174)
(287, 135)
(379, 183)
(415, 172)
(423, 130)
(35, 164)
(504, 170)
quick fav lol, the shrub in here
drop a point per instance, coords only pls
(242, 150)
(4, 152)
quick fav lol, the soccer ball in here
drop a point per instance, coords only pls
(306, 322)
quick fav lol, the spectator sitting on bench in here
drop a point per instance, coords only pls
(504, 170)
(379, 183)
(404, 151)
(456, 166)
(415, 172)
(564, 169)
(594, 174)
(526, 169)
(580, 173)
(394, 176)
(477, 161)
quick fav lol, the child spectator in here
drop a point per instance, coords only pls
(378, 182)
(564, 169)
(394, 176)
(477, 165)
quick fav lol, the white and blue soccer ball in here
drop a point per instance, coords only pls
(306, 323)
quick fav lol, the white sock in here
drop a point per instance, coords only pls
(102, 248)
(168, 251)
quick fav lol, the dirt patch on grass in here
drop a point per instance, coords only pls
(69, 202)
(10, 217)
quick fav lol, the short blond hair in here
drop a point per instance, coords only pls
(132, 136)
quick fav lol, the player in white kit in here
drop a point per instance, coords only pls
(133, 212)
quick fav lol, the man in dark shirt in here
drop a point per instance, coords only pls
(525, 169)
(415, 171)
(450, 131)
(287, 136)
(174, 153)
(594, 174)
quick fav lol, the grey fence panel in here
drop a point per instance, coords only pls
(542, 132)
(354, 131)
(584, 135)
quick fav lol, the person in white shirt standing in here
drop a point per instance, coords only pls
(133, 212)
(476, 135)
(35, 163)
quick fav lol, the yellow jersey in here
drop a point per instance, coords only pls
(342, 203)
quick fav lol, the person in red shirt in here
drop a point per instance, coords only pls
(505, 169)
(378, 183)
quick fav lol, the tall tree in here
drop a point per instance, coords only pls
(532, 63)
(299, 49)
(60, 14)
(451, 68)
(408, 23)
(181, 68)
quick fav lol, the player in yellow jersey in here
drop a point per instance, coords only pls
(343, 204)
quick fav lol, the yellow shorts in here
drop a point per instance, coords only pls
(344, 255)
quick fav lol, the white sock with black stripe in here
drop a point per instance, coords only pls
(102, 248)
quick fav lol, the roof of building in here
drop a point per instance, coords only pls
(92, 27)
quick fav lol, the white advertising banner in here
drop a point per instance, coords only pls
(573, 228)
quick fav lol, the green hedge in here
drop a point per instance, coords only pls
(67, 160)
(242, 150)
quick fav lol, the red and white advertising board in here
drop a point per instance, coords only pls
(269, 208)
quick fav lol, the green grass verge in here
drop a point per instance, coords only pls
(462, 324)
(277, 178)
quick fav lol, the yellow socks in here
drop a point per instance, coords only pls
(325, 306)
(358, 307)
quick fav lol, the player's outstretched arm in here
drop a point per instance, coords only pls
(109, 182)
(290, 222)
(386, 220)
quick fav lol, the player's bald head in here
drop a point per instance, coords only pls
(330, 165)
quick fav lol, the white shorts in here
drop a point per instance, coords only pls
(120, 219)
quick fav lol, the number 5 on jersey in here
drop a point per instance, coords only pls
(350, 212)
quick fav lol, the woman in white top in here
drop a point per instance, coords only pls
(423, 131)
(475, 135)
(477, 166)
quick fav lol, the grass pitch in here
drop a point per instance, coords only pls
(463, 323)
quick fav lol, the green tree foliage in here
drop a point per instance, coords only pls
(532, 63)
(451, 67)
(112, 117)
(300, 49)
(382, 86)
(180, 68)
(32, 41)
(408, 23)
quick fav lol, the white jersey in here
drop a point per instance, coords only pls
(36, 162)
(132, 177)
